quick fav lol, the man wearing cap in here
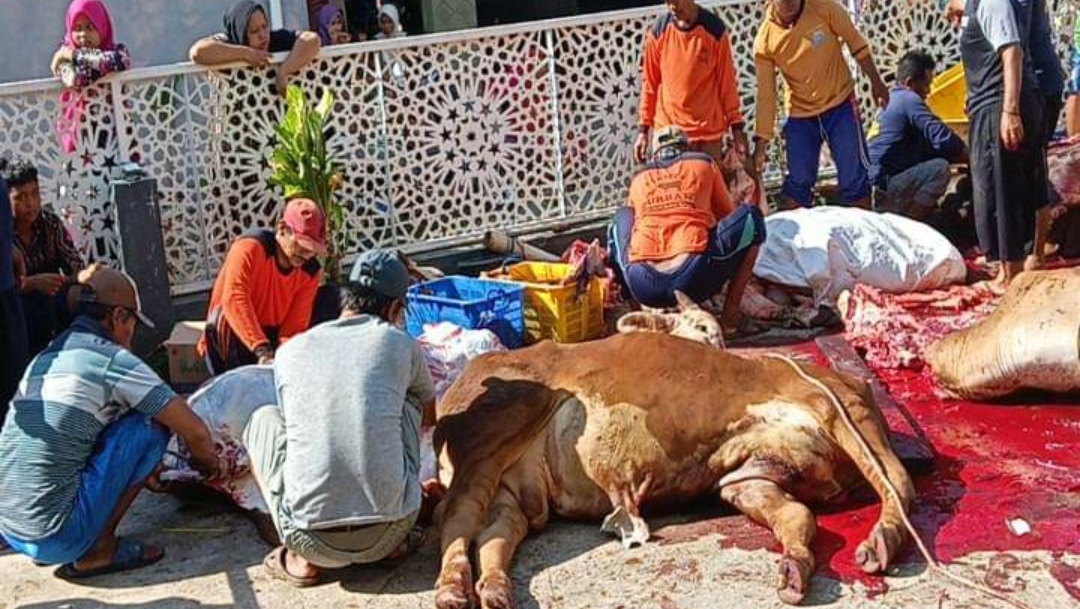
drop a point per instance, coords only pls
(338, 461)
(265, 291)
(681, 232)
(86, 431)
(688, 80)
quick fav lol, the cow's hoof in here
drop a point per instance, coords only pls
(794, 578)
(454, 590)
(495, 591)
(875, 553)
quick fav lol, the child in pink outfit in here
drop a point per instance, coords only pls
(88, 53)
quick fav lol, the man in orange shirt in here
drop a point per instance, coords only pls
(266, 289)
(688, 80)
(680, 231)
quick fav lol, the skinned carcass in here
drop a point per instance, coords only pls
(1029, 342)
(641, 420)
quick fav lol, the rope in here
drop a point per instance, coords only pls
(935, 566)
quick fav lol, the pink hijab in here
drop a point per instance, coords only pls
(72, 102)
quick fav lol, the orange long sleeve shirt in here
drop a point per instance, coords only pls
(688, 78)
(810, 56)
(253, 293)
(676, 203)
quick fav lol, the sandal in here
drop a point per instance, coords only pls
(413, 542)
(129, 555)
(275, 567)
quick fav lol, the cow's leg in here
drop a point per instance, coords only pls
(791, 522)
(889, 535)
(507, 526)
(463, 518)
(625, 520)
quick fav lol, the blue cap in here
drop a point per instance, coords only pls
(381, 271)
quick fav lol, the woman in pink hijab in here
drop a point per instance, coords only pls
(88, 53)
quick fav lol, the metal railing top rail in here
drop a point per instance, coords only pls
(370, 46)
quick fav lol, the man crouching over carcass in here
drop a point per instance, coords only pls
(338, 463)
(681, 232)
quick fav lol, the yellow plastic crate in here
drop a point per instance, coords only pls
(554, 311)
(948, 96)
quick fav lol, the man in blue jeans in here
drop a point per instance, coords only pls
(86, 431)
(681, 232)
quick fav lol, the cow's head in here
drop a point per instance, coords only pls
(690, 322)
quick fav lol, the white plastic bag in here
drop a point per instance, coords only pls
(831, 249)
(447, 348)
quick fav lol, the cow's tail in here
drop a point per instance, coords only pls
(869, 449)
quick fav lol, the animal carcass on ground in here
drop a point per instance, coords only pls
(647, 420)
(1029, 342)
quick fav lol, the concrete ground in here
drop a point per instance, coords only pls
(214, 559)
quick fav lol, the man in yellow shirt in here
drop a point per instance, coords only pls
(803, 40)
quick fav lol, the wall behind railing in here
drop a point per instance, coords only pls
(440, 137)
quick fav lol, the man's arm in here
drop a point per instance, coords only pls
(841, 23)
(237, 304)
(941, 138)
(1012, 128)
(182, 421)
(211, 51)
(998, 24)
(729, 94)
(650, 86)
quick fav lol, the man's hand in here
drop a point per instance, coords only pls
(1012, 130)
(44, 283)
(257, 58)
(954, 12)
(641, 146)
(20, 268)
(742, 145)
(205, 461)
(880, 92)
(758, 161)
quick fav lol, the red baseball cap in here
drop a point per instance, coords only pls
(308, 224)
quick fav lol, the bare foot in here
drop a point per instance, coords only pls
(102, 553)
(299, 567)
(1034, 263)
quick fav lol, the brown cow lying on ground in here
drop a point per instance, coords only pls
(646, 420)
(1030, 341)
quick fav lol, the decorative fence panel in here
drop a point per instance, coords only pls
(439, 137)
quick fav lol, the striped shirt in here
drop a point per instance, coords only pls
(79, 384)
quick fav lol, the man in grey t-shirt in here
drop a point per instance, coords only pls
(338, 463)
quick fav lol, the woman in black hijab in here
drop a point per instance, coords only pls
(248, 38)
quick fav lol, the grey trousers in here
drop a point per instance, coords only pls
(916, 191)
(264, 439)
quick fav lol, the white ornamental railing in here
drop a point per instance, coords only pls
(440, 137)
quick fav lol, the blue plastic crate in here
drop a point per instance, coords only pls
(475, 304)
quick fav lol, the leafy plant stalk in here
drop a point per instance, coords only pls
(302, 167)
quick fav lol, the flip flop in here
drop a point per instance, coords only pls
(129, 555)
(413, 542)
(274, 565)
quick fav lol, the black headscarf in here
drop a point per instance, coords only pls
(236, 20)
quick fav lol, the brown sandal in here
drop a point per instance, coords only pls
(275, 566)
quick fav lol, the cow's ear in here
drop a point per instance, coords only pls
(685, 302)
(643, 321)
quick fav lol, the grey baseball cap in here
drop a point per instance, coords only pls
(382, 271)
